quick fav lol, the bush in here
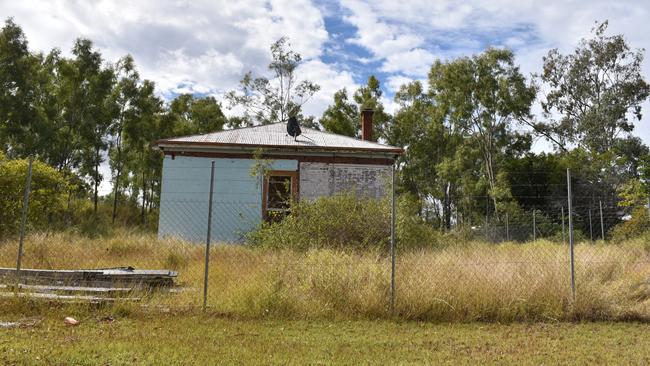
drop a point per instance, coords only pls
(638, 223)
(47, 200)
(345, 221)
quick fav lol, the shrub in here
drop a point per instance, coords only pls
(638, 223)
(47, 199)
(345, 221)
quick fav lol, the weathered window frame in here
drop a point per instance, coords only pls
(293, 175)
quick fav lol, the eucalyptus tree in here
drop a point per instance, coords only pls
(268, 100)
(23, 81)
(369, 97)
(192, 115)
(94, 112)
(595, 96)
(124, 113)
(595, 93)
(342, 117)
(484, 97)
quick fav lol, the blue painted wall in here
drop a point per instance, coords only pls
(237, 198)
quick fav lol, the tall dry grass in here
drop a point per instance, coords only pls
(461, 282)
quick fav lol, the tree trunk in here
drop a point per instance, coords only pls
(144, 197)
(447, 206)
(118, 170)
(96, 195)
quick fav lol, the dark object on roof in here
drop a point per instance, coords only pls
(275, 136)
(293, 127)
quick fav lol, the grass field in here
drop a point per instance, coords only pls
(464, 303)
(181, 339)
(460, 282)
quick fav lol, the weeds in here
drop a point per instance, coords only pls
(457, 281)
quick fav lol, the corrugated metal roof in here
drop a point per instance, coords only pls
(275, 135)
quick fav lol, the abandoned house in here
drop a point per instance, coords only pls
(304, 167)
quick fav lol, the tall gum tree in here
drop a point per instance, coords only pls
(595, 93)
(484, 97)
(268, 100)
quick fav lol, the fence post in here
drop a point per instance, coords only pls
(573, 278)
(563, 234)
(392, 242)
(23, 219)
(534, 228)
(487, 227)
(602, 225)
(507, 229)
(591, 230)
(207, 240)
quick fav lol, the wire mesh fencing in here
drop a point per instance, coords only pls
(493, 261)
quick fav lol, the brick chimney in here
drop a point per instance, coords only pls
(366, 124)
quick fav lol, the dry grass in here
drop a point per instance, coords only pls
(463, 282)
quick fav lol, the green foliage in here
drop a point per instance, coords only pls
(23, 122)
(346, 222)
(342, 117)
(482, 98)
(637, 224)
(47, 200)
(632, 194)
(196, 115)
(594, 89)
(274, 100)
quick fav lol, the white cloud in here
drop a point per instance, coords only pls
(205, 46)
(415, 62)
(202, 45)
(380, 37)
(394, 82)
(330, 80)
(401, 34)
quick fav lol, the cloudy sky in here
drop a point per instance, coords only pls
(205, 46)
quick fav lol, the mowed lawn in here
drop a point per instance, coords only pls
(195, 339)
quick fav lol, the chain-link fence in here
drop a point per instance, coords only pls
(537, 259)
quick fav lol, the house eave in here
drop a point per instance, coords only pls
(389, 152)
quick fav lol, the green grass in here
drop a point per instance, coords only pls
(184, 339)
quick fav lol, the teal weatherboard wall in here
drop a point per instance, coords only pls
(237, 198)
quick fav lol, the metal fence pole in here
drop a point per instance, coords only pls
(392, 242)
(569, 198)
(507, 229)
(563, 234)
(207, 240)
(23, 219)
(602, 225)
(534, 228)
(487, 227)
(591, 230)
